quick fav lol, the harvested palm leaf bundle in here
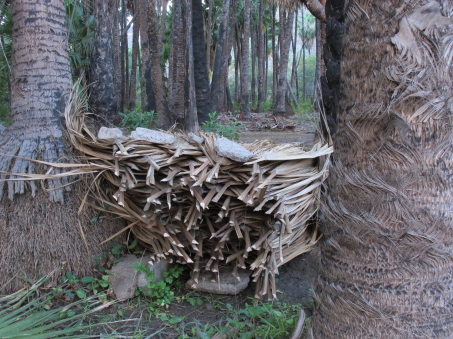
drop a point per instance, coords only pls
(186, 202)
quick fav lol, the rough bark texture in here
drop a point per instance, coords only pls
(387, 222)
(203, 89)
(286, 23)
(148, 97)
(220, 61)
(132, 97)
(40, 229)
(261, 53)
(160, 96)
(103, 84)
(245, 92)
(190, 102)
(177, 70)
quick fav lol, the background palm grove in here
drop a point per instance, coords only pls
(385, 75)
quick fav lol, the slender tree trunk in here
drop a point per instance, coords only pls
(190, 105)
(253, 38)
(103, 91)
(203, 89)
(219, 61)
(261, 53)
(124, 57)
(274, 58)
(237, 64)
(117, 55)
(304, 86)
(245, 92)
(163, 18)
(294, 45)
(177, 66)
(386, 259)
(286, 22)
(209, 36)
(163, 120)
(148, 97)
(135, 54)
(40, 228)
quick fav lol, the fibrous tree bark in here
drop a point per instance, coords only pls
(163, 119)
(148, 97)
(261, 54)
(220, 60)
(135, 53)
(103, 90)
(286, 22)
(203, 88)
(176, 72)
(387, 222)
(190, 102)
(39, 225)
(245, 92)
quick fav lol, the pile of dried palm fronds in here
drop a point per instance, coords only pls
(184, 201)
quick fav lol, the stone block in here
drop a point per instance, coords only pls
(225, 282)
(111, 135)
(232, 150)
(125, 279)
(153, 136)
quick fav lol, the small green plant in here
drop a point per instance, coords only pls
(138, 118)
(230, 130)
(161, 293)
(266, 320)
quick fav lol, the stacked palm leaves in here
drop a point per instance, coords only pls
(186, 202)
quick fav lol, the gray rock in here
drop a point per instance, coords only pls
(158, 268)
(125, 279)
(2, 128)
(231, 150)
(193, 138)
(152, 136)
(226, 282)
(110, 134)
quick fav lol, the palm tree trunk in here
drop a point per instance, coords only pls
(203, 89)
(102, 78)
(286, 22)
(176, 73)
(132, 97)
(40, 228)
(190, 104)
(274, 56)
(148, 97)
(245, 92)
(387, 222)
(260, 56)
(163, 120)
(220, 62)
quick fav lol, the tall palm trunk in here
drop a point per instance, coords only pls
(41, 228)
(203, 88)
(261, 54)
(176, 72)
(163, 120)
(148, 97)
(245, 92)
(387, 221)
(103, 83)
(132, 96)
(220, 60)
(286, 22)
